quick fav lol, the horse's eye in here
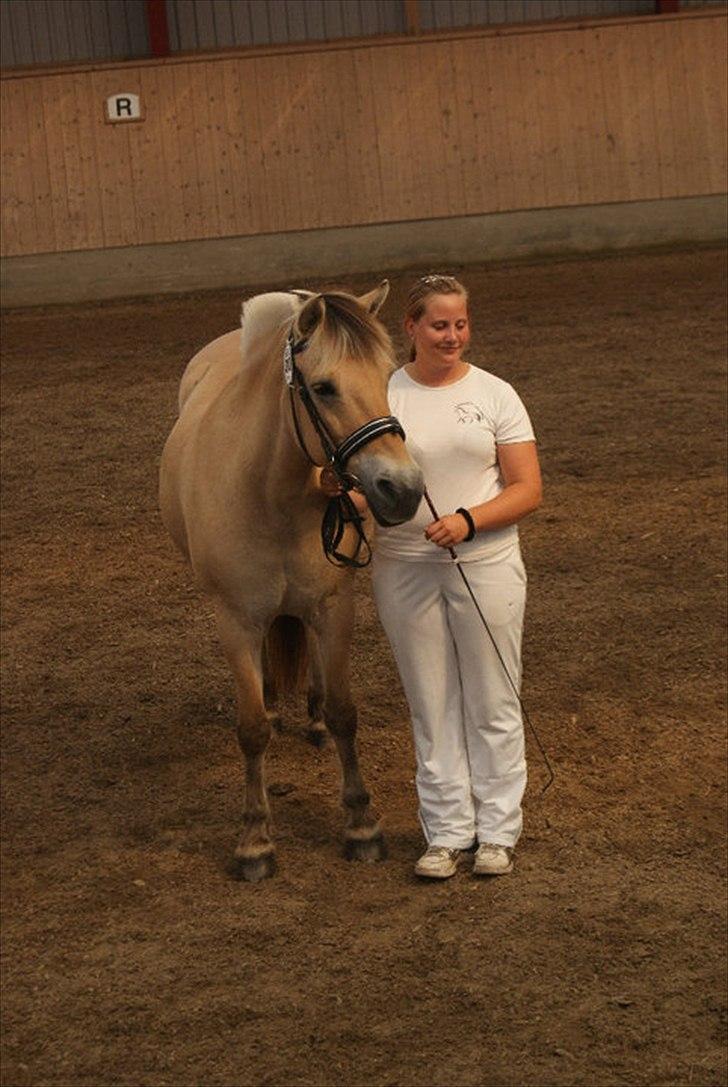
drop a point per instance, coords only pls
(324, 388)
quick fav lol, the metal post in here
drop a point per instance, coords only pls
(158, 28)
(412, 16)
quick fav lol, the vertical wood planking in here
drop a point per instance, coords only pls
(366, 110)
(19, 226)
(395, 140)
(402, 131)
(476, 162)
(52, 107)
(498, 95)
(271, 181)
(45, 224)
(347, 144)
(206, 187)
(426, 142)
(221, 151)
(169, 151)
(253, 136)
(717, 79)
(628, 135)
(549, 105)
(489, 131)
(603, 105)
(305, 163)
(113, 165)
(643, 104)
(185, 84)
(664, 124)
(681, 119)
(289, 81)
(151, 180)
(708, 80)
(532, 140)
(453, 143)
(327, 204)
(596, 124)
(85, 149)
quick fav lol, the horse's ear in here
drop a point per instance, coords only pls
(309, 317)
(374, 300)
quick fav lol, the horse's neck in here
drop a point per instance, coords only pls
(264, 400)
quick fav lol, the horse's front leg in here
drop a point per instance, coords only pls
(316, 733)
(364, 838)
(255, 857)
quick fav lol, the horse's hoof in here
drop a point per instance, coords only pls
(369, 850)
(317, 736)
(254, 869)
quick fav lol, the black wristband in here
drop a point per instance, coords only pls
(469, 521)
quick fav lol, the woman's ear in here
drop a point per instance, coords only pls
(374, 300)
(309, 318)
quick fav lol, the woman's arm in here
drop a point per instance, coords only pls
(521, 495)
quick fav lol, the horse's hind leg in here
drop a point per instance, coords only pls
(255, 854)
(364, 838)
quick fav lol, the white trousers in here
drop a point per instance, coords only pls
(466, 719)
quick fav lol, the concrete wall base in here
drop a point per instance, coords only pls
(91, 275)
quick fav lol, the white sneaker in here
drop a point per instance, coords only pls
(493, 860)
(438, 862)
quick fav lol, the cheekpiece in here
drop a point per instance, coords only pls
(288, 363)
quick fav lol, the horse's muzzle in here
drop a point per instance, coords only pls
(393, 491)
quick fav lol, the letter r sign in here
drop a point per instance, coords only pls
(123, 107)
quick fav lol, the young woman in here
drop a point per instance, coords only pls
(472, 437)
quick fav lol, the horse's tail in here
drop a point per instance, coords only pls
(285, 656)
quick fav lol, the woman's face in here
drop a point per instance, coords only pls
(442, 333)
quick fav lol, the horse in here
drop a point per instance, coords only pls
(301, 384)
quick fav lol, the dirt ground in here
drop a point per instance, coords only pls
(131, 957)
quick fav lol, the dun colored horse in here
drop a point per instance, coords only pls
(261, 409)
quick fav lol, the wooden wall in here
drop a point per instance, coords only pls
(369, 133)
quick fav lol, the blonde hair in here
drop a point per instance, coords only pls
(422, 289)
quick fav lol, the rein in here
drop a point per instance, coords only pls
(340, 510)
(456, 562)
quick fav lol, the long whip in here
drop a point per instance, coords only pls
(456, 562)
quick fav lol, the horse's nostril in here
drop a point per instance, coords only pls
(386, 488)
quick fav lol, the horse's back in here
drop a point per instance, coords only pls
(211, 368)
(205, 378)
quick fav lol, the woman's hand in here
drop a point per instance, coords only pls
(449, 531)
(329, 484)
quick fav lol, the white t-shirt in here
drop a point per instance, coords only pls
(452, 432)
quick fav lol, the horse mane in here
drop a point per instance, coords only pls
(264, 315)
(347, 328)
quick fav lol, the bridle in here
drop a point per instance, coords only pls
(340, 511)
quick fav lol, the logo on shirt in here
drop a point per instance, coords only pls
(469, 412)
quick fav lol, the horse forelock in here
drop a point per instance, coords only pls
(347, 330)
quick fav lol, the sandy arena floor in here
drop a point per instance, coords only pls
(130, 955)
